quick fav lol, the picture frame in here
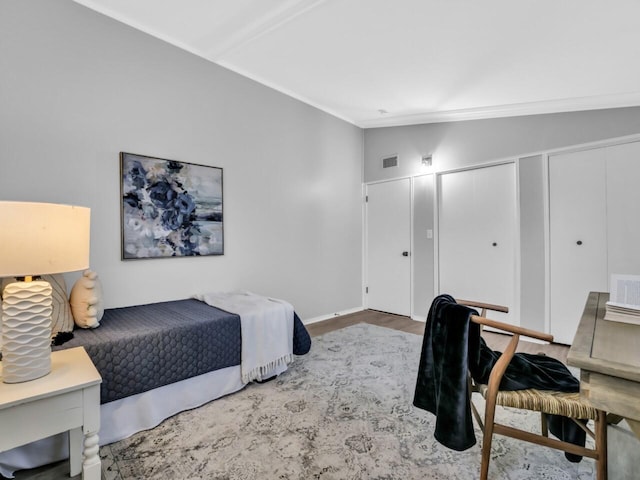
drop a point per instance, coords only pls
(169, 208)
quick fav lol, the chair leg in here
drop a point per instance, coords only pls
(489, 418)
(543, 425)
(601, 445)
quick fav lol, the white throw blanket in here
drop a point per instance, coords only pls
(267, 330)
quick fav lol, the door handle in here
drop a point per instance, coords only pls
(405, 254)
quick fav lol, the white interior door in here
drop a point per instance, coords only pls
(477, 236)
(388, 246)
(578, 237)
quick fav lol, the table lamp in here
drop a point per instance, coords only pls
(35, 239)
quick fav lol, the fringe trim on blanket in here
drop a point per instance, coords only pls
(259, 372)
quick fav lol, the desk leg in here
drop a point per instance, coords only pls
(75, 451)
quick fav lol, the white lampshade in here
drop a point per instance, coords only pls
(43, 238)
(35, 239)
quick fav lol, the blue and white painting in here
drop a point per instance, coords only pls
(170, 208)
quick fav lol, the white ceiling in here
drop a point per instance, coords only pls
(398, 62)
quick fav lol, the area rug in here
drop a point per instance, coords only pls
(343, 411)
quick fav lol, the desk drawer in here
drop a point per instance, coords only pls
(612, 394)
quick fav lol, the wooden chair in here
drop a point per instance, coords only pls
(547, 402)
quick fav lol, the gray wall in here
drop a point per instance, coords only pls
(423, 247)
(77, 88)
(532, 241)
(462, 144)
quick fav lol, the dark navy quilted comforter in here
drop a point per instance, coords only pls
(143, 347)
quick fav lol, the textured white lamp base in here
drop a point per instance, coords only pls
(26, 331)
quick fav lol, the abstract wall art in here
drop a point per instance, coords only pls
(170, 208)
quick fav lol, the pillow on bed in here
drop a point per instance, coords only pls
(86, 300)
(61, 319)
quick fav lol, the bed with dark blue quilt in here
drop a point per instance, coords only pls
(155, 360)
(143, 347)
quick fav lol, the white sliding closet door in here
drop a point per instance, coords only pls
(594, 207)
(623, 209)
(578, 239)
(477, 236)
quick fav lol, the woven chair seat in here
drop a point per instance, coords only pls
(556, 403)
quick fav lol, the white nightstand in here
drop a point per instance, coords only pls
(67, 399)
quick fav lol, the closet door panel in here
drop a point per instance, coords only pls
(623, 208)
(476, 254)
(455, 223)
(578, 240)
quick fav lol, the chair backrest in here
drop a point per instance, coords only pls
(504, 327)
(484, 307)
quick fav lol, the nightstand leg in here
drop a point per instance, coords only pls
(75, 451)
(91, 469)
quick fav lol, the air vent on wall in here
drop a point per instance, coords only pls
(391, 161)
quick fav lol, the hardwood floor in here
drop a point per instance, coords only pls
(382, 319)
(495, 340)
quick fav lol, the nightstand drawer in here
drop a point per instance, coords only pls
(67, 399)
(40, 418)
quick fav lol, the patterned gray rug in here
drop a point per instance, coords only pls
(344, 411)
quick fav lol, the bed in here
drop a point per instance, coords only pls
(155, 360)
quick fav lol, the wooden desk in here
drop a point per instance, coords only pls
(608, 355)
(68, 398)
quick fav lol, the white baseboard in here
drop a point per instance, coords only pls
(321, 318)
(419, 318)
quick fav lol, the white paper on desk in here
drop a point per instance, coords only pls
(625, 291)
